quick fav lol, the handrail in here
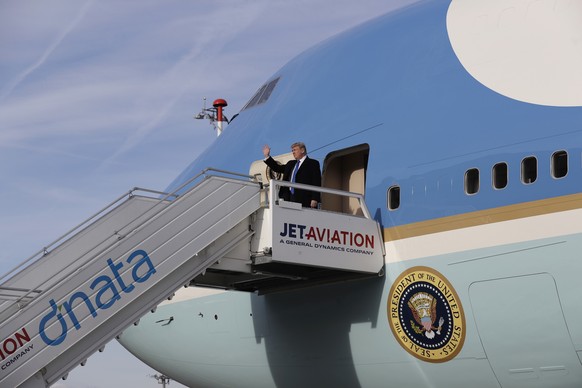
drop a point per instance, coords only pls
(148, 191)
(206, 173)
(276, 184)
(46, 249)
(228, 172)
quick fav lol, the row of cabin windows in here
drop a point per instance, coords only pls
(499, 176)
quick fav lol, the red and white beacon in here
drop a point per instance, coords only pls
(219, 104)
(215, 115)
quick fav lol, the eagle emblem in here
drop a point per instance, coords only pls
(424, 310)
(426, 315)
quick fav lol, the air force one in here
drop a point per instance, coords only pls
(446, 252)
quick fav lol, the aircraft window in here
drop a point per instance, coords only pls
(499, 175)
(529, 170)
(268, 90)
(253, 101)
(472, 181)
(394, 197)
(263, 94)
(559, 164)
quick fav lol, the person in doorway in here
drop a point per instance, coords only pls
(300, 170)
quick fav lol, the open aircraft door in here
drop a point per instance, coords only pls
(345, 170)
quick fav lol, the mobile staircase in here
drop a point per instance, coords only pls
(219, 229)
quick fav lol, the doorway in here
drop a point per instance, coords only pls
(345, 170)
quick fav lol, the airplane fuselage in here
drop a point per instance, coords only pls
(472, 168)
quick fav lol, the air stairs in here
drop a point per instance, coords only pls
(219, 229)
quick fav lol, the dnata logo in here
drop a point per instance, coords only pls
(108, 291)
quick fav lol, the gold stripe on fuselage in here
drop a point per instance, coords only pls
(483, 217)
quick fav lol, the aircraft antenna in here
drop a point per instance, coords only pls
(162, 379)
(214, 115)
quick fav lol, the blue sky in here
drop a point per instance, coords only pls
(97, 97)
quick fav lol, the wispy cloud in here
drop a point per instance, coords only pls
(7, 90)
(194, 69)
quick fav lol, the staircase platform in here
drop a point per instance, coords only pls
(295, 247)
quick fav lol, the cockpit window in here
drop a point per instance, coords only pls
(263, 94)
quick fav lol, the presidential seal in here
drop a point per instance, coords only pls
(426, 315)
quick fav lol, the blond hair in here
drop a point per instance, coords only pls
(301, 145)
